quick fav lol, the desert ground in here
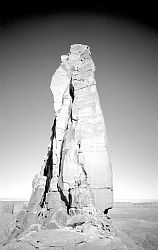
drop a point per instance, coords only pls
(138, 220)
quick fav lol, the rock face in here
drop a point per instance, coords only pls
(81, 167)
(77, 171)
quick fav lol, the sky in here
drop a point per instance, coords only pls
(125, 53)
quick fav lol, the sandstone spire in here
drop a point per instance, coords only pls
(73, 191)
(76, 177)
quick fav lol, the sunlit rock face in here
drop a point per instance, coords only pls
(80, 154)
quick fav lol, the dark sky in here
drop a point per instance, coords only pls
(124, 47)
(145, 14)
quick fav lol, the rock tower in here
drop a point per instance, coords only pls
(77, 165)
(73, 191)
(76, 177)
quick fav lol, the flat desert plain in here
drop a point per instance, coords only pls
(139, 220)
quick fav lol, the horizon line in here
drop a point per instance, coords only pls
(115, 200)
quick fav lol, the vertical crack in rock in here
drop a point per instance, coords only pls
(76, 177)
(48, 170)
(48, 173)
(71, 90)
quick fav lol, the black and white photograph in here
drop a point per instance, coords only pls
(79, 127)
